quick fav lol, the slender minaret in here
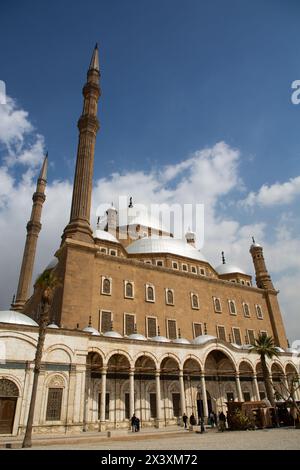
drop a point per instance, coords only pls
(263, 278)
(88, 125)
(33, 229)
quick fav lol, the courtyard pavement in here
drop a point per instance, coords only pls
(265, 439)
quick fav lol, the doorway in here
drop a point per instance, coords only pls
(8, 401)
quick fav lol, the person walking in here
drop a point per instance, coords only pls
(212, 419)
(137, 424)
(192, 420)
(222, 422)
(184, 419)
(133, 423)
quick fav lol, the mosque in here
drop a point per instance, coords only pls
(141, 322)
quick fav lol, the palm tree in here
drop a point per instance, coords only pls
(265, 347)
(47, 283)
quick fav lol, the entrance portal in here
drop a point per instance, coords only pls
(8, 400)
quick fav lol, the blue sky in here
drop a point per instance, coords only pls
(177, 77)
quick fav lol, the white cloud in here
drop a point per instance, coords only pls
(207, 176)
(275, 194)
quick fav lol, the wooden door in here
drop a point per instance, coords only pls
(7, 414)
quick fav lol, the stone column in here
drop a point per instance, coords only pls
(102, 424)
(238, 387)
(131, 393)
(182, 394)
(158, 400)
(204, 396)
(256, 389)
(286, 385)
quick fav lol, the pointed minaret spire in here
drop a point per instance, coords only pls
(33, 229)
(79, 226)
(94, 65)
(223, 257)
(44, 169)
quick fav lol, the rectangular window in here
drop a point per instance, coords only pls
(194, 269)
(236, 336)
(106, 406)
(152, 405)
(230, 396)
(103, 250)
(159, 262)
(221, 332)
(148, 261)
(105, 319)
(251, 336)
(129, 324)
(113, 252)
(202, 271)
(54, 404)
(264, 332)
(184, 267)
(172, 329)
(197, 327)
(247, 396)
(176, 405)
(174, 265)
(151, 327)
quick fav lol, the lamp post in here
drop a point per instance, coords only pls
(202, 427)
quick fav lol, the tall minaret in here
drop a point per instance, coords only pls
(263, 278)
(88, 125)
(33, 229)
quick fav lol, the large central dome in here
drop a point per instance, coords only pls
(165, 245)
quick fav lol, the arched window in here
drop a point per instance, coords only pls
(150, 293)
(217, 304)
(129, 290)
(106, 285)
(54, 402)
(232, 307)
(259, 312)
(169, 297)
(195, 301)
(246, 310)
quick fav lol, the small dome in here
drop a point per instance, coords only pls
(17, 318)
(112, 334)
(137, 336)
(293, 351)
(52, 325)
(160, 339)
(279, 349)
(103, 235)
(228, 269)
(52, 264)
(181, 341)
(92, 331)
(202, 339)
(238, 346)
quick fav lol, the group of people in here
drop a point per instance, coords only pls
(212, 420)
(135, 423)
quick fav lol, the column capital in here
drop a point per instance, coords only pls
(104, 370)
(180, 372)
(157, 372)
(131, 371)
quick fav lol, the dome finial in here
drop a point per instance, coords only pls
(90, 320)
(135, 329)
(111, 326)
(179, 333)
(130, 202)
(205, 328)
(223, 257)
(158, 331)
(253, 240)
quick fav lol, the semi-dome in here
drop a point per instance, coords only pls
(181, 341)
(104, 235)
(160, 339)
(16, 318)
(229, 269)
(112, 334)
(293, 351)
(169, 245)
(137, 336)
(92, 331)
(52, 325)
(52, 264)
(202, 339)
